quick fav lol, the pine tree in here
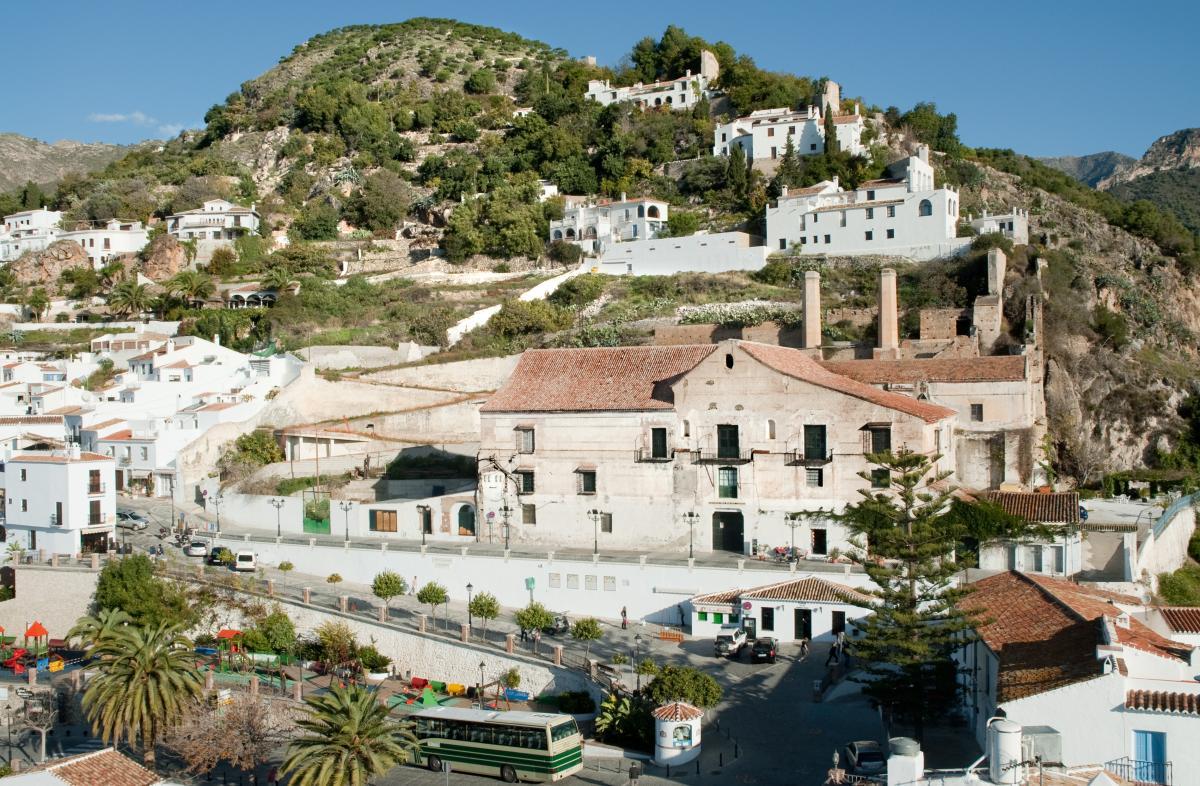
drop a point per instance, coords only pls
(910, 534)
(790, 171)
(735, 172)
(831, 143)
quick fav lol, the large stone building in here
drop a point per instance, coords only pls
(709, 446)
(682, 93)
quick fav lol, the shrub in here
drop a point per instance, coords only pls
(372, 659)
(522, 318)
(381, 203)
(683, 683)
(564, 253)
(129, 584)
(576, 702)
(286, 566)
(317, 221)
(334, 578)
(578, 291)
(682, 224)
(1181, 588)
(480, 82)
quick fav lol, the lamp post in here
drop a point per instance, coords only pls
(793, 520)
(594, 515)
(506, 511)
(345, 505)
(479, 692)
(278, 504)
(692, 517)
(423, 512)
(216, 501)
(470, 616)
(637, 667)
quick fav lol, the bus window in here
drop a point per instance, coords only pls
(564, 730)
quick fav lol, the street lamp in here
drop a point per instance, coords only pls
(216, 501)
(278, 504)
(692, 517)
(479, 692)
(793, 520)
(345, 506)
(506, 511)
(594, 515)
(423, 513)
(470, 616)
(637, 667)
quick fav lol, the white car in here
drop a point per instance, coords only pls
(129, 519)
(197, 548)
(245, 560)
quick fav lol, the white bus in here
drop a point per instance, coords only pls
(526, 746)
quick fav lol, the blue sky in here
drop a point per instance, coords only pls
(1052, 77)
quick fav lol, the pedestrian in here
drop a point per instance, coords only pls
(413, 588)
(635, 774)
(803, 648)
(524, 635)
(835, 653)
(624, 618)
(537, 639)
(682, 618)
(841, 639)
(273, 776)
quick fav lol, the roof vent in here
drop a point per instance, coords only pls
(1123, 620)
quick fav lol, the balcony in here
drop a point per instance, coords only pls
(103, 518)
(723, 457)
(646, 455)
(1140, 772)
(799, 458)
(125, 461)
(97, 488)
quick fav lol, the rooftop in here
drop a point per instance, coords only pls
(1058, 508)
(1182, 619)
(997, 368)
(810, 589)
(1176, 702)
(57, 458)
(107, 766)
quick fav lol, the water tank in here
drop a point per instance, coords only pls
(1004, 752)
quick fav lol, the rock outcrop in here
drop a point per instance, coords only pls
(165, 257)
(45, 266)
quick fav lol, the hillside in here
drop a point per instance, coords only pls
(1092, 169)
(24, 160)
(1177, 191)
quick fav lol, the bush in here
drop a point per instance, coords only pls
(1181, 588)
(564, 253)
(129, 584)
(317, 221)
(222, 261)
(480, 82)
(682, 224)
(522, 318)
(683, 683)
(576, 702)
(579, 291)
(381, 203)
(334, 578)
(372, 659)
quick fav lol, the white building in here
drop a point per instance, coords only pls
(1075, 662)
(699, 253)
(597, 226)
(806, 607)
(1013, 225)
(1060, 556)
(29, 230)
(902, 215)
(60, 502)
(111, 239)
(675, 94)
(765, 134)
(215, 224)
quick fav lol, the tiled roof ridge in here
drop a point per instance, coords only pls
(838, 590)
(1179, 702)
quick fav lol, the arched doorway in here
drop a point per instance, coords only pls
(466, 520)
(728, 531)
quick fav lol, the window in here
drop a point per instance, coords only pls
(870, 235)
(658, 443)
(702, 616)
(891, 211)
(529, 514)
(879, 439)
(1033, 558)
(870, 214)
(816, 218)
(891, 233)
(525, 441)
(94, 515)
(382, 521)
(783, 244)
(728, 360)
(770, 429)
(812, 477)
(24, 506)
(812, 147)
(827, 239)
(814, 443)
(606, 522)
(1059, 559)
(820, 542)
(425, 519)
(770, 132)
(768, 619)
(145, 453)
(925, 208)
(880, 478)
(1150, 757)
(727, 442)
(718, 618)
(727, 482)
(870, 196)
(976, 413)
(524, 481)
(587, 481)
(687, 428)
(842, 223)
(24, 476)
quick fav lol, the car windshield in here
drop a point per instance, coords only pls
(197, 544)
(870, 755)
(724, 639)
(245, 558)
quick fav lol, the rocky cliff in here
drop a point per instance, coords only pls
(44, 267)
(23, 159)
(1094, 168)
(164, 257)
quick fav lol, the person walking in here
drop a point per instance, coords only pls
(835, 654)
(624, 618)
(524, 635)
(803, 649)
(635, 774)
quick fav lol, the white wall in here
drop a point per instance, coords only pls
(702, 253)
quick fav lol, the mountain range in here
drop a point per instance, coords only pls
(23, 159)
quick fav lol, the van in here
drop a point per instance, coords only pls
(245, 561)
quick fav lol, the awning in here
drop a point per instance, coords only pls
(94, 530)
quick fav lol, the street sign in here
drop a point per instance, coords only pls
(747, 605)
(529, 583)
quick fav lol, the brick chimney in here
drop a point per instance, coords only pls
(812, 309)
(889, 329)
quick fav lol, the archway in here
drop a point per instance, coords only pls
(652, 211)
(570, 234)
(590, 233)
(558, 234)
(466, 520)
(925, 208)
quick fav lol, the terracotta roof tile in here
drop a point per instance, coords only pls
(1182, 619)
(575, 380)
(719, 598)
(797, 364)
(997, 368)
(677, 711)
(32, 420)
(1058, 508)
(107, 767)
(843, 119)
(811, 589)
(1163, 701)
(57, 458)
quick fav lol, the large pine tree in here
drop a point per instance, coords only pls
(909, 534)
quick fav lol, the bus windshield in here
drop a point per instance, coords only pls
(563, 730)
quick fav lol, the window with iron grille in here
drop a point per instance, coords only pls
(525, 481)
(976, 413)
(812, 477)
(587, 481)
(879, 439)
(727, 482)
(606, 522)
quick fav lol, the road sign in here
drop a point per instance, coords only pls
(529, 583)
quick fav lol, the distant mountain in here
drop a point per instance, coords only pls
(1176, 191)
(1092, 169)
(23, 159)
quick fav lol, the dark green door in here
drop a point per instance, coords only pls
(728, 532)
(727, 442)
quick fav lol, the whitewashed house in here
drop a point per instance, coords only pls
(61, 502)
(1061, 555)
(28, 230)
(109, 240)
(216, 219)
(614, 447)
(1013, 225)
(806, 607)
(765, 134)
(682, 93)
(900, 215)
(597, 226)
(1075, 662)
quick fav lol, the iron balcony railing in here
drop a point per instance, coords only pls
(723, 457)
(802, 459)
(1141, 772)
(97, 488)
(648, 455)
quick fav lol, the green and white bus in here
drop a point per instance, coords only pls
(516, 746)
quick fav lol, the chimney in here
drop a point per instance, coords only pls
(74, 451)
(889, 330)
(217, 339)
(783, 191)
(622, 196)
(812, 309)
(996, 263)
(923, 153)
(906, 763)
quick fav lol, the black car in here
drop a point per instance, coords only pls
(764, 650)
(559, 627)
(215, 557)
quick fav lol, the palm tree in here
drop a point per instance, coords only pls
(191, 285)
(94, 630)
(130, 298)
(146, 682)
(349, 739)
(277, 278)
(37, 303)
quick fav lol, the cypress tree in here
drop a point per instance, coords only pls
(831, 143)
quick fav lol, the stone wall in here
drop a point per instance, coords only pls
(940, 323)
(766, 333)
(463, 375)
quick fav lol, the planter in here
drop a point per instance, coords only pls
(377, 676)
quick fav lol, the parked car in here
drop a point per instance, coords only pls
(729, 642)
(218, 555)
(131, 519)
(245, 560)
(559, 627)
(764, 649)
(197, 548)
(865, 757)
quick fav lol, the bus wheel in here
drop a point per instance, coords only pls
(508, 774)
(434, 763)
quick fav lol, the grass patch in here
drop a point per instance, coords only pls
(1181, 588)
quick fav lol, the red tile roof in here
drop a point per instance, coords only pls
(1058, 508)
(1045, 631)
(998, 368)
(107, 767)
(843, 119)
(677, 711)
(797, 364)
(30, 420)
(577, 380)
(1163, 701)
(57, 458)
(1182, 619)
(719, 598)
(812, 590)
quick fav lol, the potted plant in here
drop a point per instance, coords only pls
(375, 664)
